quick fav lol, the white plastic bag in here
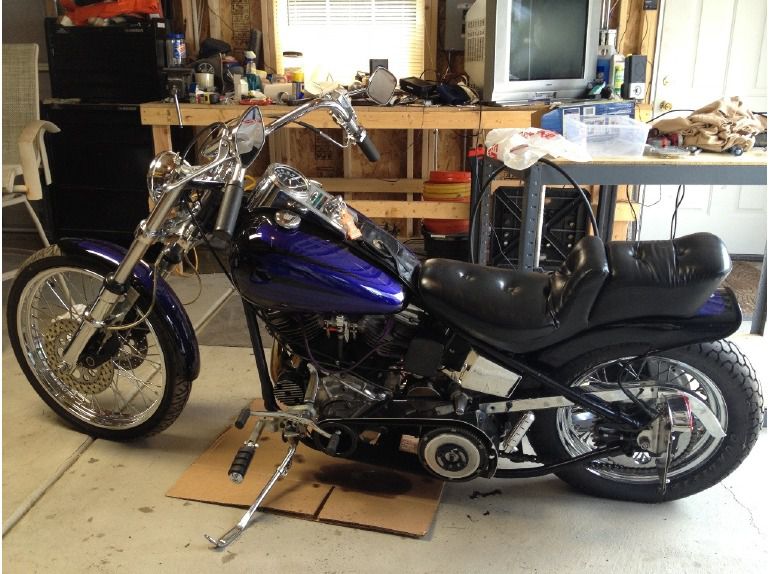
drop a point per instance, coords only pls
(519, 148)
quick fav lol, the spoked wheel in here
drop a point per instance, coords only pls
(717, 374)
(125, 384)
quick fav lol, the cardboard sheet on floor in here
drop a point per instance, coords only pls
(318, 487)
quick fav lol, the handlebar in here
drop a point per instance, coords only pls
(232, 196)
(338, 104)
(368, 148)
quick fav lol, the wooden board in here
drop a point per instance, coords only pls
(395, 118)
(318, 487)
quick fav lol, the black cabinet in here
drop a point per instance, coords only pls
(98, 165)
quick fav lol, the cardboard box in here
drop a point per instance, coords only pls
(317, 487)
(554, 119)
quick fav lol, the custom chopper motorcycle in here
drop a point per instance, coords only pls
(613, 367)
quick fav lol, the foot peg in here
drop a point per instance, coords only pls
(244, 455)
(232, 535)
(294, 427)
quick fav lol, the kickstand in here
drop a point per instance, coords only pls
(232, 535)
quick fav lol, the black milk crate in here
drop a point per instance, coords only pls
(446, 246)
(565, 221)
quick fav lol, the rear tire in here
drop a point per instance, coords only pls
(137, 392)
(717, 372)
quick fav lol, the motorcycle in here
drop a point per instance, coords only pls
(611, 372)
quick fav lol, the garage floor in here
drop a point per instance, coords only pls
(96, 506)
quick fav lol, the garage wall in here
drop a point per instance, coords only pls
(23, 24)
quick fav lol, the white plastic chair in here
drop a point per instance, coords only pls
(23, 132)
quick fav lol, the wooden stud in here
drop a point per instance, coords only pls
(161, 138)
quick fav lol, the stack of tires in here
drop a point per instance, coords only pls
(447, 238)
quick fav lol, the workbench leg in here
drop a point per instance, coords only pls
(409, 175)
(759, 318)
(480, 169)
(531, 220)
(608, 196)
(161, 138)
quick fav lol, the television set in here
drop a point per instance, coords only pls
(524, 50)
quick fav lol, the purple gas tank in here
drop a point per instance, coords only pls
(308, 269)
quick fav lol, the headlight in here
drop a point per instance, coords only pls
(163, 169)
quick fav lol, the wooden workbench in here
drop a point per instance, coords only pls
(376, 185)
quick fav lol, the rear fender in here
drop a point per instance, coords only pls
(171, 311)
(717, 318)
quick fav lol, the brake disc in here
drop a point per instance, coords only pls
(82, 379)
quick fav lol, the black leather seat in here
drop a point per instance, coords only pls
(661, 278)
(516, 310)
(525, 311)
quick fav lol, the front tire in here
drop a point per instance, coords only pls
(718, 373)
(136, 391)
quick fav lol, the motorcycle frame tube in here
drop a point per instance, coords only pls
(718, 317)
(588, 402)
(168, 306)
(263, 372)
(558, 466)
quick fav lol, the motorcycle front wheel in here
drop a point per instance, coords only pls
(717, 373)
(134, 388)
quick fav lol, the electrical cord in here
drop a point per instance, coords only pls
(474, 215)
(149, 309)
(485, 189)
(633, 209)
(674, 217)
(579, 189)
(666, 113)
(208, 244)
(625, 368)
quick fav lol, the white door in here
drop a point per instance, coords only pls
(710, 49)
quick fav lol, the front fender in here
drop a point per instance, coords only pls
(167, 304)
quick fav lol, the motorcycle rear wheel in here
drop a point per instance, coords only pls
(718, 373)
(136, 392)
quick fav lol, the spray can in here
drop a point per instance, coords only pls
(176, 50)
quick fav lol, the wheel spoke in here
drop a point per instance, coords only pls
(50, 308)
(577, 434)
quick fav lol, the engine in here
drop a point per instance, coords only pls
(359, 354)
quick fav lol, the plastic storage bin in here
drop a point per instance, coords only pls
(605, 136)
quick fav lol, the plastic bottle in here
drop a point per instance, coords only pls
(619, 69)
(292, 68)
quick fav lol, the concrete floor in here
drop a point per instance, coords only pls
(100, 506)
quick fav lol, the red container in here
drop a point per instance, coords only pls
(448, 226)
(450, 176)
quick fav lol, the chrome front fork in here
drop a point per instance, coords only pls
(113, 290)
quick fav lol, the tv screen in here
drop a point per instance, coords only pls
(548, 39)
(522, 50)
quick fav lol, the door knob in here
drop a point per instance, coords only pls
(666, 106)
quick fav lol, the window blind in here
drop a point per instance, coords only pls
(338, 37)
